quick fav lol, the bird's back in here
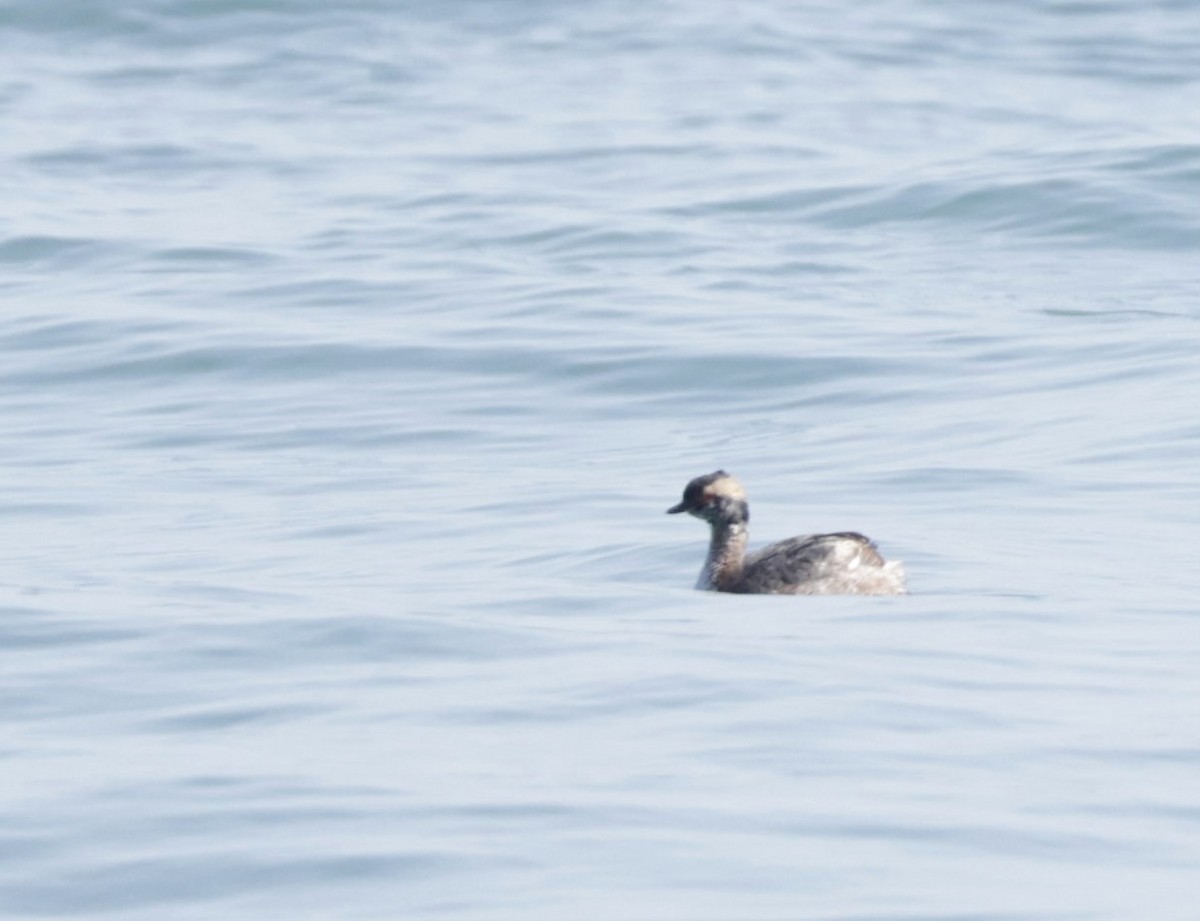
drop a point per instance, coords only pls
(820, 564)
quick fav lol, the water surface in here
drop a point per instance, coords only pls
(351, 356)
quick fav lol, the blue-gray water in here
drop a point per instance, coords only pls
(352, 352)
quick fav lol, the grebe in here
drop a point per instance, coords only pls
(815, 564)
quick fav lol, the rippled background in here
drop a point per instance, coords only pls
(352, 352)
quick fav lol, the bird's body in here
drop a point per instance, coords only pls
(844, 563)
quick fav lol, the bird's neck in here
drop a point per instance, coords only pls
(726, 556)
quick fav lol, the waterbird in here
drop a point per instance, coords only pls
(843, 563)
